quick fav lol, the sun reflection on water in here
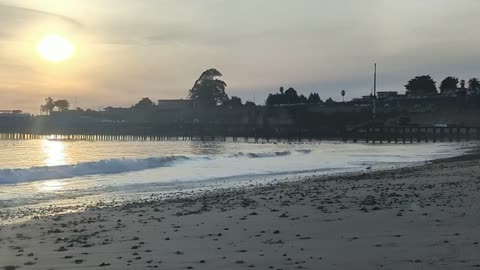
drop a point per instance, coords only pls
(50, 186)
(54, 152)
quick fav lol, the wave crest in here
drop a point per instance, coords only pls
(112, 166)
(108, 166)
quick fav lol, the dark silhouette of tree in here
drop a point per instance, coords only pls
(207, 90)
(144, 103)
(314, 98)
(250, 104)
(421, 86)
(61, 104)
(277, 98)
(302, 99)
(329, 101)
(343, 95)
(474, 84)
(48, 106)
(449, 84)
(233, 102)
(270, 100)
(291, 96)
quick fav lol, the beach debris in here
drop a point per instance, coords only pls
(369, 200)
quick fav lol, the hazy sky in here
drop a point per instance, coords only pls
(126, 50)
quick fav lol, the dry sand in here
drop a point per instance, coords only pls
(415, 218)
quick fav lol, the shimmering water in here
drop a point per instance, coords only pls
(44, 172)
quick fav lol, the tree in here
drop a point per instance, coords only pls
(343, 95)
(421, 86)
(329, 101)
(291, 96)
(48, 106)
(61, 104)
(449, 84)
(250, 104)
(233, 102)
(302, 99)
(277, 98)
(207, 90)
(144, 103)
(474, 84)
(314, 98)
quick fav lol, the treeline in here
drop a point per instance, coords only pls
(50, 105)
(291, 97)
(426, 85)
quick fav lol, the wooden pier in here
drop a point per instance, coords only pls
(413, 134)
(368, 134)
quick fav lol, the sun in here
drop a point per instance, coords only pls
(55, 48)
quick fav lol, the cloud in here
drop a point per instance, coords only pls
(14, 18)
(15, 13)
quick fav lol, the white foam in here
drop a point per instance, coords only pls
(108, 166)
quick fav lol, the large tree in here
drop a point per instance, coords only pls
(61, 104)
(314, 98)
(291, 96)
(421, 86)
(207, 90)
(449, 84)
(474, 84)
(48, 106)
(144, 103)
(277, 98)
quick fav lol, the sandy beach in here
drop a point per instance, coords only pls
(425, 217)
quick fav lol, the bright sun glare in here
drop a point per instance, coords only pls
(55, 48)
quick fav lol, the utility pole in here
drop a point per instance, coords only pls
(375, 80)
(374, 90)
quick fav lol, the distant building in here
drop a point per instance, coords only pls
(387, 94)
(450, 92)
(174, 104)
(13, 114)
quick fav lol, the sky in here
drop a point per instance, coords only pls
(127, 50)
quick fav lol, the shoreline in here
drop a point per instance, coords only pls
(388, 219)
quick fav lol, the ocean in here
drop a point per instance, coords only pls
(70, 175)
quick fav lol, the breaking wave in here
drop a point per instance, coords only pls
(112, 166)
(271, 154)
(108, 166)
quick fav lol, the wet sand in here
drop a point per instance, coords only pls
(426, 217)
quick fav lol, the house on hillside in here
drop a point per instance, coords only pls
(387, 94)
(174, 104)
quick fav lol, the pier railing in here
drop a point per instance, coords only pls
(412, 134)
(145, 132)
